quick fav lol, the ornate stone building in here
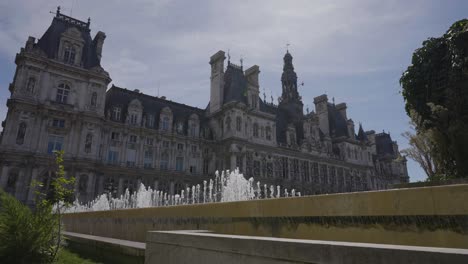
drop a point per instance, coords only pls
(116, 138)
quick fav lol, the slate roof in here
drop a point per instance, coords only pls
(50, 41)
(120, 97)
(384, 144)
(337, 123)
(235, 84)
(362, 136)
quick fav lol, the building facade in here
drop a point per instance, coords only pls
(116, 138)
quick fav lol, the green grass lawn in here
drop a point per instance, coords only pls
(68, 257)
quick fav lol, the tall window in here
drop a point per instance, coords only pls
(193, 129)
(62, 93)
(150, 121)
(55, 143)
(148, 162)
(164, 161)
(21, 133)
(94, 99)
(268, 133)
(116, 113)
(179, 163)
(69, 55)
(113, 157)
(133, 119)
(31, 84)
(180, 146)
(88, 143)
(133, 139)
(165, 123)
(238, 123)
(255, 130)
(115, 136)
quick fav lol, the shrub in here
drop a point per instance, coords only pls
(26, 236)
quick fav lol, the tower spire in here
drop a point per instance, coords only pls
(289, 80)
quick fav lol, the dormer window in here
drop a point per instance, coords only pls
(116, 113)
(69, 54)
(62, 93)
(165, 123)
(133, 119)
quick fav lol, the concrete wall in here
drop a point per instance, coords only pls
(429, 216)
(200, 247)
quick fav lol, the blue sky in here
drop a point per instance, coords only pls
(355, 51)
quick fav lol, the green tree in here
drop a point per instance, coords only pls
(60, 197)
(435, 88)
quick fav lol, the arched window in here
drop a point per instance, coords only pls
(88, 143)
(238, 123)
(268, 133)
(164, 161)
(21, 133)
(83, 184)
(94, 99)
(31, 84)
(69, 54)
(165, 123)
(228, 123)
(62, 93)
(11, 183)
(255, 130)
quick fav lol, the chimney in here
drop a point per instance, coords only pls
(217, 81)
(99, 42)
(252, 76)
(341, 108)
(321, 108)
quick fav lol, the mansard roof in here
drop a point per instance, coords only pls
(235, 84)
(337, 123)
(121, 97)
(384, 144)
(50, 41)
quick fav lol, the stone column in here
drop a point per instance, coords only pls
(171, 188)
(233, 162)
(120, 190)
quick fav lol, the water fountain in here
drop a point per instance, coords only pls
(227, 186)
